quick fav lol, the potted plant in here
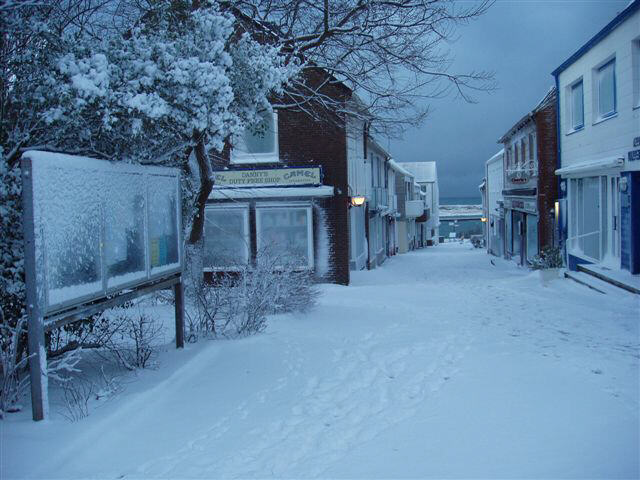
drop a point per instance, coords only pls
(549, 263)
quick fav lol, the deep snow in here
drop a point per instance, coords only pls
(437, 364)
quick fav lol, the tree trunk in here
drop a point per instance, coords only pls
(206, 185)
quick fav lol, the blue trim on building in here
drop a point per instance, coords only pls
(574, 261)
(630, 223)
(621, 17)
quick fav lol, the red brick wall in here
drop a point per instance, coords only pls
(547, 145)
(306, 142)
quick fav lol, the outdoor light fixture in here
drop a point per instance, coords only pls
(357, 201)
(483, 219)
(556, 209)
(623, 184)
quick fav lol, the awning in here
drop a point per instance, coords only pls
(269, 192)
(584, 167)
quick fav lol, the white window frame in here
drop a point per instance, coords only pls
(263, 206)
(247, 234)
(635, 65)
(242, 158)
(601, 116)
(575, 126)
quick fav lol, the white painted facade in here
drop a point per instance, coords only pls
(494, 184)
(595, 152)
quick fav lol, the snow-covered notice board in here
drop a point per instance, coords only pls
(97, 234)
(100, 226)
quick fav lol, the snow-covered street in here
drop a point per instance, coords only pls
(437, 364)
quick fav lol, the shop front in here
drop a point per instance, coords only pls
(277, 212)
(521, 228)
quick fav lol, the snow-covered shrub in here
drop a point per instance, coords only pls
(549, 257)
(129, 336)
(14, 379)
(237, 303)
(77, 393)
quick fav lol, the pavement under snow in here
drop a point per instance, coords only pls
(437, 364)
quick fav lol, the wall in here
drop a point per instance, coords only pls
(547, 146)
(612, 137)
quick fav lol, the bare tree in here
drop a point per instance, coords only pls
(392, 53)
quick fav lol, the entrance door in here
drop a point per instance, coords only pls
(518, 233)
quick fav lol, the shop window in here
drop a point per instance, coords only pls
(287, 233)
(606, 90)
(226, 237)
(585, 217)
(258, 143)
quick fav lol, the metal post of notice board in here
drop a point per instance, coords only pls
(35, 303)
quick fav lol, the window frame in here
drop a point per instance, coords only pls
(238, 157)
(574, 126)
(598, 76)
(635, 75)
(247, 235)
(262, 206)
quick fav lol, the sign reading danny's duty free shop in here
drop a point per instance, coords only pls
(271, 177)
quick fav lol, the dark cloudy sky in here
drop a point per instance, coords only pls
(522, 41)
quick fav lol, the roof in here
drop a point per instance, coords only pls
(398, 168)
(424, 172)
(549, 98)
(629, 10)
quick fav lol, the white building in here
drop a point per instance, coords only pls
(494, 184)
(426, 176)
(599, 146)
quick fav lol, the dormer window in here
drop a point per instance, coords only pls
(259, 142)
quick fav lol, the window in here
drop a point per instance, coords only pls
(226, 237)
(585, 217)
(636, 73)
(287, 233)
(577, 106)
(523, 151)
(531, 146)
(515, 156)
(258, 143)
(606, 88)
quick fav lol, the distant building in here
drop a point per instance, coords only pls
(530, 187)
(494, 211)
(426, 176)
(599, 132)
(409, 207)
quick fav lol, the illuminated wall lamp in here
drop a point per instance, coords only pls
(357, 201)
(483, 219)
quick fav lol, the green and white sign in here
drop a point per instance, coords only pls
(272, 177)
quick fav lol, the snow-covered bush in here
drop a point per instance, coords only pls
(14, 380)
(549, 257)
(237, 303)
(129, 336)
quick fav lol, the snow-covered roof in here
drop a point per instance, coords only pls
(398, 168)
(270, 192)
(423, 172)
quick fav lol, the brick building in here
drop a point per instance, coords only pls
(283, 186)
(530, 185)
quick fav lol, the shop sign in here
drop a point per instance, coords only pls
(271, 177)
(636, 142)
(634, 155)
(520, 205)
